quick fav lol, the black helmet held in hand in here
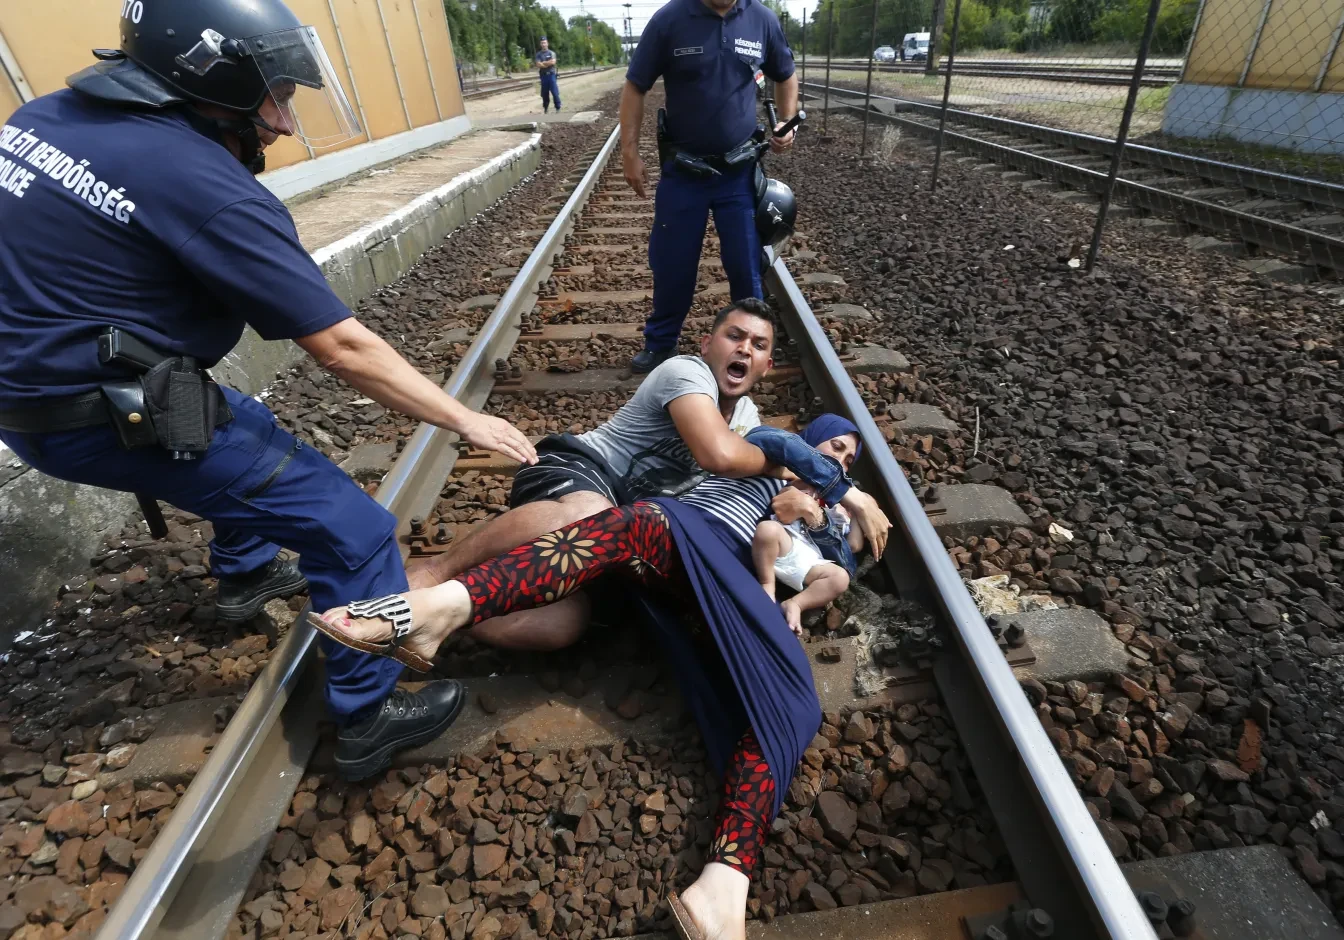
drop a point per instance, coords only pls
(776, 210)
(228, 54)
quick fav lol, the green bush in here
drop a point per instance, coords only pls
(1124, 23)
(975, 17)
(1004, 30)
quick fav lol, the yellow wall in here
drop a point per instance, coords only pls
(1296, 38)
(9, 99)
(52, 39)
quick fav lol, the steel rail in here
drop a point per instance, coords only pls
(1155, 78)
(1060, 857)
(1271, 183)
(512, 84)
(1296, 242)
(264, 723)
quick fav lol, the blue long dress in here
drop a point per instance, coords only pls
(772, 690)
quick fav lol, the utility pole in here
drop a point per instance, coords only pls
(629, 30)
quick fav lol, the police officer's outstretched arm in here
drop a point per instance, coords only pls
(647, 63)
(632, 117)
(250, 257)
(359, 356)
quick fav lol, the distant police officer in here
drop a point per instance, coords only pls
(135, 243)
(550, 86)
(708, 53)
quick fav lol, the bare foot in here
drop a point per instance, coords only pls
(435, 613)
(793, 614)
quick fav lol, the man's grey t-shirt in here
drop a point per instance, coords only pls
(641, 445)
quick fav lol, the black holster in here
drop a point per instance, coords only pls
(129, 414)
(172, 404)
(184, 406)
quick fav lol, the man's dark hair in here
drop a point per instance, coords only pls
(751, 306)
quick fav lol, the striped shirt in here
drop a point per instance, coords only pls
(739, 504)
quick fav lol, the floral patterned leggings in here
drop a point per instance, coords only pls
(636, 541)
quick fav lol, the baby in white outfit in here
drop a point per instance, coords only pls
(788, 553)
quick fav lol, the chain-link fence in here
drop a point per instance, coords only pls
(1224, 115)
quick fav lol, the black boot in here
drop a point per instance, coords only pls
(406, 719)
(646, 360)
(241, 598)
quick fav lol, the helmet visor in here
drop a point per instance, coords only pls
(306, 99)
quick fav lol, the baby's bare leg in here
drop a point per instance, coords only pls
(823, 584)
(771, 541)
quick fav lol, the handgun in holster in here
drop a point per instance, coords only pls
(172, 402)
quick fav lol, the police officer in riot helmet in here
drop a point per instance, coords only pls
(135, 245)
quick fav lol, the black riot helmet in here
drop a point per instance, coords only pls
(230, 54)
(776, 210)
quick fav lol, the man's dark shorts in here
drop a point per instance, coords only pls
(565, 465)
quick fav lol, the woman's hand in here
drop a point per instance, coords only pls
(869, 517)
(793, 504)
(486, 432)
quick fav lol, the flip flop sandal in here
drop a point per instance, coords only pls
(681, 919)
(395, 610)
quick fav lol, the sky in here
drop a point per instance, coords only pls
(640, 10)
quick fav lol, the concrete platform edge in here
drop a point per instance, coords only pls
(49, 528)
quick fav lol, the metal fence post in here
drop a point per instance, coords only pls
(801, 92)
(1255, 44)
(868, 92)
(947, 93)
(935, 37)
(830, 41)
(1123, 134)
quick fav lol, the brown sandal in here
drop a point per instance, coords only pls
(396, 610)
(681, 918)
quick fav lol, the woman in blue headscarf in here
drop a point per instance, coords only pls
(743, 674)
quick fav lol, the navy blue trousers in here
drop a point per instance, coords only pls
(681, 210)
(550, 88)
(261, 488)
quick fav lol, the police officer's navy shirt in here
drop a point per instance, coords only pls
(142, 220)
(546, 58)
(708, 64)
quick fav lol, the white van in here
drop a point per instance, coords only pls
(915, 47)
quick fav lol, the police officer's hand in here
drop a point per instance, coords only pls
(633, 165)
(487, 432)
(781, 144)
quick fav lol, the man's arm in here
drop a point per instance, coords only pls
(786, 103)
(350, 350)
(632, 121)
(712, 443)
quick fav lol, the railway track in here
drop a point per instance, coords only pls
(1154, 76)
(496, 86)
(1291, 227)
(198, 870)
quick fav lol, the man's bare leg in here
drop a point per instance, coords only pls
(505, 533)
(542, 630)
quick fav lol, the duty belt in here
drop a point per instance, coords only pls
(58, 414)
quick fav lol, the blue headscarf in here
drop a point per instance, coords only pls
(826, 426)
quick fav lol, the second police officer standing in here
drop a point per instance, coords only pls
(708, 53)
(550, 85)
(132, 253)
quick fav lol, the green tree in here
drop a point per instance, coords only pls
(1171, 34)
(507, 33)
